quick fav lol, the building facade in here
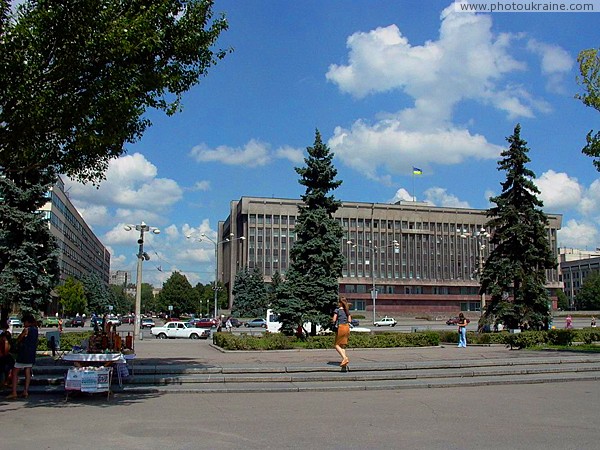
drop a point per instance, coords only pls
(575, 271)
(402, 258)
(81, 252)
(120, 277)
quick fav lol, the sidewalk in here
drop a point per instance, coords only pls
(169, 352)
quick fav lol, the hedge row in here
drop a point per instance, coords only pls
(277, 341)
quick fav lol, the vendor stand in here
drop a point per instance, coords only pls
(95, 361)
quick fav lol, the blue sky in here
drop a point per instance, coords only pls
(390, 85)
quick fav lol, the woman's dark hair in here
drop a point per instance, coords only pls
(461, 315)
(344, 305)
(28, 318)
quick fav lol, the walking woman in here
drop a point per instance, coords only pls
(342, 318)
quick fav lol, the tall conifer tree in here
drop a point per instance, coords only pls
(310, 290)
(515, 272)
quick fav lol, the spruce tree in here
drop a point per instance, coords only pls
(28, 252)
(250, 294)
(310, 290)
(515, 272)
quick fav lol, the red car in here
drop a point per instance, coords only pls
(204, 323)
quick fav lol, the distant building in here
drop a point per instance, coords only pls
(82, 252)
(575, 266)
(420, 258)
(120, 277)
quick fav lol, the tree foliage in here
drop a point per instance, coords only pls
(310, 291)
(588, 296)
(76, 81)
(72, 297)
(28, 252)
(121, 299)
(76, 78)
(562, 301)
(178, 293)
(99, 295)
(515, 272)
(250, 294)
(589, 68)
(148, 301)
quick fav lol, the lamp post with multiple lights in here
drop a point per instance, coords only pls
(480, 238)
(204, 237)
(372, 249)
(142, 228)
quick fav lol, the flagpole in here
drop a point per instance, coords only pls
(413, 180)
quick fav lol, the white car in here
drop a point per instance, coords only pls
(354, 329)
(386, 321)
(15, 322)
(184, 330)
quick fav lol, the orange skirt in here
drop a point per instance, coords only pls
(343, 332)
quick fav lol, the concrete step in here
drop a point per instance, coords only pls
(285, 378)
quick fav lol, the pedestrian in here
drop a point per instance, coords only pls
(26, 348)
(569, 322)
(228, 325)
(462, 330)
(342, 318)
(6, 359)
(593, 325)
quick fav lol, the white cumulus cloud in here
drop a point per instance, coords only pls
(131, 192)
(577, 234)
(253, 154)
(558, 191)
(440, 197)
(467, 62)
(401, 195)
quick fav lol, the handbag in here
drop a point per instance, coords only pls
(334, 326)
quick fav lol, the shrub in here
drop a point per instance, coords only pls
(278, 341)
(587, 335)
(561, 337)
(525, 339)
(67, 340)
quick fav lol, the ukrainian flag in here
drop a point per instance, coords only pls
(417, 171)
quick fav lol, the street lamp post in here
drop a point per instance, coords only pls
(372, 249)
(204, 237)
(142, 228)
(479, 236)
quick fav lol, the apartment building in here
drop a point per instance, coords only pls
(81, 251)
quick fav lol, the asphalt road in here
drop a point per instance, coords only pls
(405, 325)
(544, 416)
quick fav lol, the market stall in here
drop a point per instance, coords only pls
(95, 361)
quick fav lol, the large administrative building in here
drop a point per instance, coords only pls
(419, 258)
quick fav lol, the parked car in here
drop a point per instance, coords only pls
(204, 322)
(236, 322)
(184, 330)
(385, 322)
(128, 319)
(354, 329)
(256, 323)
(354, 322)
(50, 321)
(74, 322)
(147, 322)
(15, 322)
(113, 320)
